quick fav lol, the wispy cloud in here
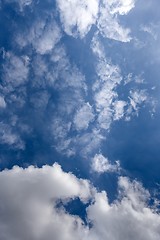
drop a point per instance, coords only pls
(42, 36)
(108, 22)
(83, 117)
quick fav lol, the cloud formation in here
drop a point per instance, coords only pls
(108, 22)
(83, 117)
(42, 36)
(29, 208)
(101, 164)
(77, 16)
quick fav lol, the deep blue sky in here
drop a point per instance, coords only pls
(74, 90)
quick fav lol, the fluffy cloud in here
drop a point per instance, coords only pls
(102, 13)
(101, 164)
(28, 203)
(77, 16)
(127, 218)
(83, 117)
(29, 208)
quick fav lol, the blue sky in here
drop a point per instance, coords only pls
(79, 128)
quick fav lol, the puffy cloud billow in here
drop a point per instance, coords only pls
(29, 208)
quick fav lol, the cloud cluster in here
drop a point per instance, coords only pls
(101, 164)
(77, 16)
(42, 36)
(83, 117)
(104, 14)
(108, 22)
(76, 112)
(32, 196)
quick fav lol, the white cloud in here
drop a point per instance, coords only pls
(43, 36)
(28, 208)
(10, 137)
(77, 16)
(138, 97)
(2, 102)
(102, 13)
(131, 210)
(121, 6)
(101, 164)
(119, 109)
(104, 89)
(15, 71)
(108, 22)
(83, 117)
(28, 202)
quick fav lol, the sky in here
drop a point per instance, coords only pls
(79, 120)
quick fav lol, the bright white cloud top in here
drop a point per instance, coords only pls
(29, 208)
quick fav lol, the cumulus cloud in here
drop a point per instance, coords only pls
(29, 208)
(108, 22)
(77, 16)
(131, 210)
(101, 164)
(28, 203)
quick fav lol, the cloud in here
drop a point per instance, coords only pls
(15, 71)
(77, 16)
(119, 109)
(42, 36)
(29, 208)
(10, 137)
(83, 117)
(2, 102)
(104, 89)
(101, 164)
(137, 99)
(28, 203)
(108, 22)
(131, 210)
